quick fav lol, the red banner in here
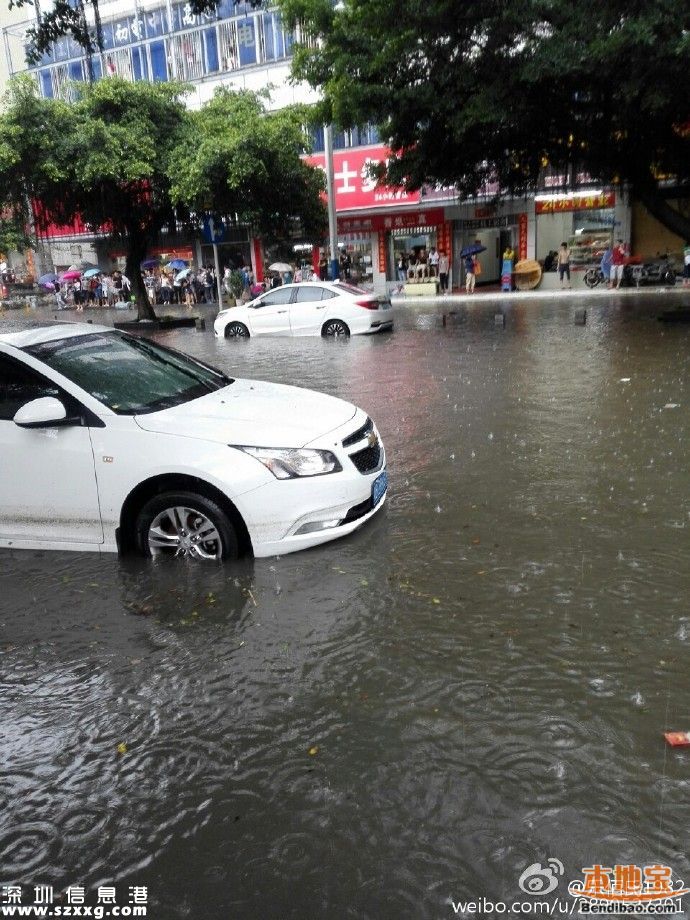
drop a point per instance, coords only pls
(444, 239)
(432, 217)
(382, 252)
(522, 236)
(354, 187)
(572, 203)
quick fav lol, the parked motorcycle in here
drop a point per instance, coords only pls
(659, 271)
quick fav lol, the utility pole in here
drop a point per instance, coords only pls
(330, 192)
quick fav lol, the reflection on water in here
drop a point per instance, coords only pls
(476, 681)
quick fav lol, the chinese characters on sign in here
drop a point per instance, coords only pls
(355, 187)
(44, 895)
(579, 203)
(522, 236)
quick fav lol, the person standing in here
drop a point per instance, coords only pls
(401, 266)
(564, 264)
(618, 257)
(443, 269)
(605, 265)
(470, 273)
(433, 261)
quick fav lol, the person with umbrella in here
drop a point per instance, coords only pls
(470, 272)
(471, 263)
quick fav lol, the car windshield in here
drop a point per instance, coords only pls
(129, 375)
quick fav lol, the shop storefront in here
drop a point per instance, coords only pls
(586, 220)
(496, 227)
(378, 224)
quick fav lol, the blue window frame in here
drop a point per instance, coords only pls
(211, 49)
(159, 62)
(139, 66)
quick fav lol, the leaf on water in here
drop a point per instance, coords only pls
(122, 748)
(435, 600)
(364, 583)
(482, 572)
(313, 750)
(476, 540)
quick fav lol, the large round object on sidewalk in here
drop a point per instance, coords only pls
(527, 274)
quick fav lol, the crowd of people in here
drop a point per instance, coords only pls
(418, 266)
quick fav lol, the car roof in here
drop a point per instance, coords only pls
(23, 335)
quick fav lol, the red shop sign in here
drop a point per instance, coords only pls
(354, 187)
(431, 217)
(581, 203)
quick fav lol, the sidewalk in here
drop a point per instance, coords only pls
(493, 295)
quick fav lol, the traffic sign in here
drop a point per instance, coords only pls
(213, 229)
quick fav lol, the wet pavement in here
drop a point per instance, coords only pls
(476, 681)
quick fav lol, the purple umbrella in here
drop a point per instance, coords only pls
(150, 263)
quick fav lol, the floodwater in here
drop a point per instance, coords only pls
(476, 681)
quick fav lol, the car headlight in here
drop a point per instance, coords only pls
(292, 463)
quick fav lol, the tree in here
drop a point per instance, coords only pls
(129, 160)
(244, 164)
(472, 93)
(106, 160)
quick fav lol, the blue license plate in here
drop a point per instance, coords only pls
(378, 489)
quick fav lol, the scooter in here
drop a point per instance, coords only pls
(660, 271)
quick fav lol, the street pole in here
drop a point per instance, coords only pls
(218, 278)
(330, 192)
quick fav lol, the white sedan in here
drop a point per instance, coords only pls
(113, 442)
(308, 308)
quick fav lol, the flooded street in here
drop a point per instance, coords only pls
(475, 681)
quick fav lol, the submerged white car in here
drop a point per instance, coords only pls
(309, 308)
(109, 442)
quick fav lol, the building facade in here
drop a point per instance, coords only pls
(245, 48)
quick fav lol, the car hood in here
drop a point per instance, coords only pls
(255, 413)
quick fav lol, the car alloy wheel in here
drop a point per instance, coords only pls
(236, 331)
(335, 328)
(182, 524)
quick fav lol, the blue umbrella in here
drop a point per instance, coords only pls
(151, 263)
(472, 250)
(177, 264)
(50, 278)
(92, 272)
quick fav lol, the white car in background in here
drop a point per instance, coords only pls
(109, 442)
(308, 308)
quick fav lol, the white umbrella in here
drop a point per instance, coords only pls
(280, 267)
(180, 276)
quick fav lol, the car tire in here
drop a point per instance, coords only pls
(669, 278)
(174, 523)
(236, 330)
(335, 329)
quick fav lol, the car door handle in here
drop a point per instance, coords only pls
(282, 311)
(321, 306)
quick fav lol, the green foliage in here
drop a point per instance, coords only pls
(243, 162)
(130, 159)
(236, 283)
(475, 92)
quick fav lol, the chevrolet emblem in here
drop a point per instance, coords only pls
(372, 440)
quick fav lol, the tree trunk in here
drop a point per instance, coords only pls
(658, 207)
(137, 245)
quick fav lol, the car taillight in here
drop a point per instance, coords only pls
(368, 304)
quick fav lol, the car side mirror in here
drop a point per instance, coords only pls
(46, 412)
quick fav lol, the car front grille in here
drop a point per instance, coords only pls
(360, 434)
(367, 460)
